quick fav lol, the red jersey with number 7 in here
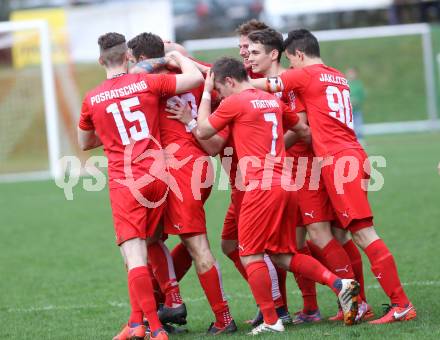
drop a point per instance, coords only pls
(124, 112)
(326, 96)
(256, 119)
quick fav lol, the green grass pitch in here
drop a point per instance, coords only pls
(61, 276)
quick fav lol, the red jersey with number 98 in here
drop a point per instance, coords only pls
(173, 131)
(256, 119)
(124, 112)
(326, 96)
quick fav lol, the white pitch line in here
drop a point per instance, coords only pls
(237, 296)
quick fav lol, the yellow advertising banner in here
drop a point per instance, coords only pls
(26, 46)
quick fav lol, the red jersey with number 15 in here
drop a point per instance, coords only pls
(124, 112)
(256, 119)
(326, 96)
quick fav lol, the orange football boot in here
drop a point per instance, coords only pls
(131, 333)
(395, 313)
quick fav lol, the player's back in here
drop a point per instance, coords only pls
(124, 114)
(326, 96)
(257, 131)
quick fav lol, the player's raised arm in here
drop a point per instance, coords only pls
(204, 128)
(152, 65)
(259, 83)
(270, 84)
(190, 78)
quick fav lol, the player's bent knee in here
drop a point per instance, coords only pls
(320, 234)
(364, 237)
(245, 260)
(134, 252)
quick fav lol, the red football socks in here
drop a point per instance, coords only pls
(158, 295)
(139, 283)
(136, 315)
(307, 287)
(385, 270)
(163, 269)
(315, 251)
(212, 285)
(356, 264)
(182, 261)
(261, 287)
(233, 255)
(337, 260)
(311, 269)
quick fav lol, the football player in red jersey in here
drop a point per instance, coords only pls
(345, 167)
(265, 49)
(229, 243)
(184, 214)
(122, 115)
(268, 211)
(230, 225)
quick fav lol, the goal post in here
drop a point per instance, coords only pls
(9, 35)
(396, 122)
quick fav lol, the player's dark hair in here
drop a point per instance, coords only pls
(148, 45)
(229, 67)
(112, 48)
(270, 38)
(304, 41)
(250, 26)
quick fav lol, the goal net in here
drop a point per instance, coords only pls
(395, 64)
(38, 103)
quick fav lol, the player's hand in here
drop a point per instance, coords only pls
(209, 81)
(180, 111)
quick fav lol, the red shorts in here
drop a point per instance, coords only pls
(314, 203)
(186, 214)
(267, 222)
(349, 200)
(230, 225)
(131, 218)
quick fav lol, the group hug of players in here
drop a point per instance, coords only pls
(257, 114)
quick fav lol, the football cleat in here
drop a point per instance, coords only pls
(131, 333)
(176, 315)
(229, 328)
(282, 313)
(159, 334)
(257, 320)
(395, 313)
(170, 329)
(301, 317)
(278, 327)
(348, 299)
(364, 312)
